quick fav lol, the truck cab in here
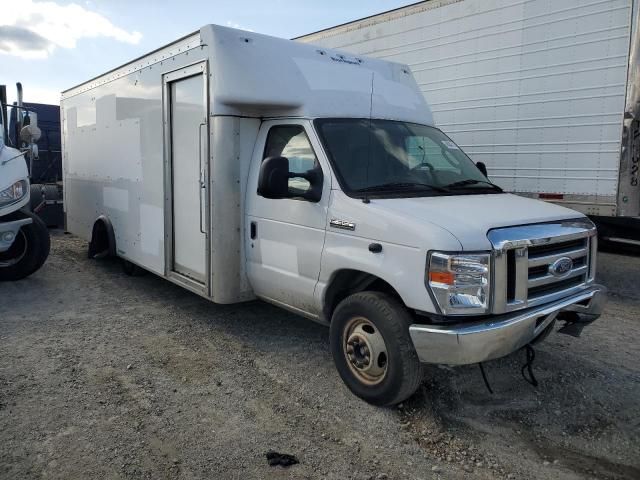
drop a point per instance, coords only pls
(242, 166)
(386, 231)
(24, 239)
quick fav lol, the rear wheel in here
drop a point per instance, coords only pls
(372, 349)
(28, 252)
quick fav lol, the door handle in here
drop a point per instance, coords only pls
(254, 230)
(203, 178)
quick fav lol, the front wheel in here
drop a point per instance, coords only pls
(28, 252)
(372, 349)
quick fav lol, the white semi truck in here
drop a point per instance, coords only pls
(546, 94)
(24, 238)
(241, 166)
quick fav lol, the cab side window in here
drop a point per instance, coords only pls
(291, 141)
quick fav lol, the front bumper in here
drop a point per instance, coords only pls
(8, 232)
(475, 342)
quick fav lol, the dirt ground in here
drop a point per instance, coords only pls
(108, 376)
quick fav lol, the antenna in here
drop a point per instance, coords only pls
(365, 199)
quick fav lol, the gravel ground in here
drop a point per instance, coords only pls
(108, 376)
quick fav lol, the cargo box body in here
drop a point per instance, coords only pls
(199, 103)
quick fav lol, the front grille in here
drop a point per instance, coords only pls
(535, 292)
(537, 251)
(541, 281)
(542, 270)
(539, 263)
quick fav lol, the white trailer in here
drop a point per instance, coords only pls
(238, 166)
(545, 93)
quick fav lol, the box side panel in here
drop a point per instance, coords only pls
(114, 158)
(233, 140)
(535, 89)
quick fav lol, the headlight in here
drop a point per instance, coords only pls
(460, 283)
(14, 193)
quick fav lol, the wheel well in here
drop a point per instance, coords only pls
(347, 282)
(103, 240)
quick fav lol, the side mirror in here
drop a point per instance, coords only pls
(315, 177)
(30, 134)
(273, 181)
(483, 168)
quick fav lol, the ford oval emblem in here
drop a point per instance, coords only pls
(561, 267)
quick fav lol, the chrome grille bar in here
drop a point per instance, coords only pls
(548, 259)
(548, 279)
(521, 276)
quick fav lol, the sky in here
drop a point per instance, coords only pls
(50, 46)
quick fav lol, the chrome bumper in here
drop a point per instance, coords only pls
(501, 335)
(8, 232)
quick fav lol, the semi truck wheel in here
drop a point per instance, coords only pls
(372, 349)
(29, 251)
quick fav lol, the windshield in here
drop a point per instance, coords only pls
(390, 157)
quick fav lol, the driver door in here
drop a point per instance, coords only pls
(285, 237)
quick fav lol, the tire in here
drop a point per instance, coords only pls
(36, 196)
(29, 251)
(131, 269)
(357, 324)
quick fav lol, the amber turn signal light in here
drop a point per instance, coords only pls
(441, 277)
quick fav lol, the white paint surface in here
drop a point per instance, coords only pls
(151, 229)
(279, 256)
(116, 198)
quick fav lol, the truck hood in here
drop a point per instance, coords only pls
(13, 171)
(470, 217)
(10, 173)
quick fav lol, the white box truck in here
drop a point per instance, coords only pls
(238, 165)
(545, 93)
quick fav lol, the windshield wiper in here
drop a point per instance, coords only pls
(401, 186)
(471, 181)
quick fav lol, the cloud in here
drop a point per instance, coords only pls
(233, 24)
(14, 40)
(34, 93)
(34, 30)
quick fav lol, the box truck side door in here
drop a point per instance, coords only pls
(186, 135)
(285, 236)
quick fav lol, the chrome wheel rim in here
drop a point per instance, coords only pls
(16, 251)
(365, 350)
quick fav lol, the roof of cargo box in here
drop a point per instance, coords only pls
(269, 76)
(263, 76)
